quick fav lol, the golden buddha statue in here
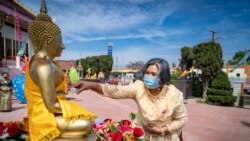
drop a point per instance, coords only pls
(88, 75)
(50, 114)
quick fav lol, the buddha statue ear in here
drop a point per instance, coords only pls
(46, 44)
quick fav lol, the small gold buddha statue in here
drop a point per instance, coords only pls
(50, 114)
(88, 75)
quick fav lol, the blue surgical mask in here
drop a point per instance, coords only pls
(151, 82)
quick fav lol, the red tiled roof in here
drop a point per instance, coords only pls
(231, 66)
(64, 65)
(246, 67)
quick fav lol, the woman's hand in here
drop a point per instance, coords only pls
(84, 85)
(156, 130)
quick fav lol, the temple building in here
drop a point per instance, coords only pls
(14, 20)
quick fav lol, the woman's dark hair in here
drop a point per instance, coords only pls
(4, 73)
(164, 69)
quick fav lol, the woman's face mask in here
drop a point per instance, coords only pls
(151, 82)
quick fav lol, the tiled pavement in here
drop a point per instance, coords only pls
(206, 122)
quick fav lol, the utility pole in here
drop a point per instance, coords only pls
(213, 34)
(116, 61)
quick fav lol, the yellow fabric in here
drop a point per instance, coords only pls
(165, 109)
(42, 123)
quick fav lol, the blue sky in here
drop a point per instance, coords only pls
(143, 29)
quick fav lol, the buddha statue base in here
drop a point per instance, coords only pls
(77, 130)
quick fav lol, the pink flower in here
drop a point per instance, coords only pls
(117, 131)
(126, 122)
(124, 128)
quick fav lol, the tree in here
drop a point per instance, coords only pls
(186, 61)
(208, 58)
(135, 65)
(97, 63)
(237, 57)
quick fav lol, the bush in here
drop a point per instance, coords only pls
(241, 101)
(222, 100)
(220, 92)
(175, 75)
(221, 82)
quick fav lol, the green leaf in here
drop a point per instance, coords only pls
(112, 128)
(132, 116)
(127, 137)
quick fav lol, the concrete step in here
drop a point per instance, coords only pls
(247, 106)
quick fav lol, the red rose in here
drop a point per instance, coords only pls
(13, 130)
(126, 122)
(138, 132)
(1, 128)
(115, 136)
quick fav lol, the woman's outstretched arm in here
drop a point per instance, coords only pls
(113, 91)
(85, 85)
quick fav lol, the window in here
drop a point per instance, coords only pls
(15, 48)
(8, 47)
(12, 48)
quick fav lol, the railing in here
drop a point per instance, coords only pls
(3, 67)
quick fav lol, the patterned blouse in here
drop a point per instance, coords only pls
(165, 109)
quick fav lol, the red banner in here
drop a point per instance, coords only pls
(19, 34)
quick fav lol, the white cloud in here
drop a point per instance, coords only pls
(65, 1)
(147, 34)
(97, 18)
(76, 54)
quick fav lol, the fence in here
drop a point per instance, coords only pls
(185, 86)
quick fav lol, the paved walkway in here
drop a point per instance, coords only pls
(206, 122)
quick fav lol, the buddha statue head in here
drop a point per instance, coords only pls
(44, 34)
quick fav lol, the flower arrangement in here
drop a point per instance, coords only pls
(110, 130)
(14, 130)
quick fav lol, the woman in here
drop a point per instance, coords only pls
(161, 111)
(50, 114)
(5, 92)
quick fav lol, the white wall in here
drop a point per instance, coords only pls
(233, 74)
(9, 32)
